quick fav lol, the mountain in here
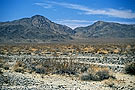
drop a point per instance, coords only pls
(40, 29)
(102, 29)
(34, 29)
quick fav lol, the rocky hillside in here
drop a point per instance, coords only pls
(102, 29)
(40, 29)
(34, 29)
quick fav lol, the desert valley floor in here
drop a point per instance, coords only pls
(67, 67)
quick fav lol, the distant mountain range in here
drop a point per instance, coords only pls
(40, 29)
(102, 29)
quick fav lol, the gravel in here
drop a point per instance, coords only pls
(115, 62)
(26, 81)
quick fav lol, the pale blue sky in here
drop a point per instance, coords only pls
(72, 13)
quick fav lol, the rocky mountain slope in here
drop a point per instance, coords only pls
(36, 28)
(40, 29)
(106, 30)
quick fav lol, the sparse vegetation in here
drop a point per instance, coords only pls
(61, 65)
(80, 62)
(96, 73)
(85, 76)
(1, 72)
(130, 68)
(110, 83)
(6, 67)
(2, 63)
(40, 69)
(19, 67)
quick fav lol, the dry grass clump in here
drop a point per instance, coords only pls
(96, 73)
(66, 71)
(20, 70)
(67, 67)
(19, 64)
(130, 68)
(110, 83)
(46, 67)
(54, 66)
(2, 62)
(4, 65)
(62, 68)
(19, 67)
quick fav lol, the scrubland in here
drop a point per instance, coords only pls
(67, 67)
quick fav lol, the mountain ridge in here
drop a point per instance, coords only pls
(107, 30)
(37, 28)
(40, 29)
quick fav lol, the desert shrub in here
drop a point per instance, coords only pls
(103, 74)
(6, 67)
(65, 71)
(96, 73)
(68, 68)
(4, 80)
(2, 62)
(40, 69)
(85, 76)
(110, 83)
(1, 65)
(20, 70)
(130, 68)
(1, 71)
(19, 64)
(19, 67)
(84, 69)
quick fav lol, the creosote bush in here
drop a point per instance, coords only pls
(19, 67)
(1, 71)
(6, 67)
(40, 69)
(2, 62)
(20, 70)
(96, 73)
(130, 68)
(85, 77)
(66, 71)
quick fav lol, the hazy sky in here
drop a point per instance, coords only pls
(70, 12)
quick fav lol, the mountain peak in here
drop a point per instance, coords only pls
(103, 29)
(34, 29)
(39, 21)
(100, 22)
(37, 16)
